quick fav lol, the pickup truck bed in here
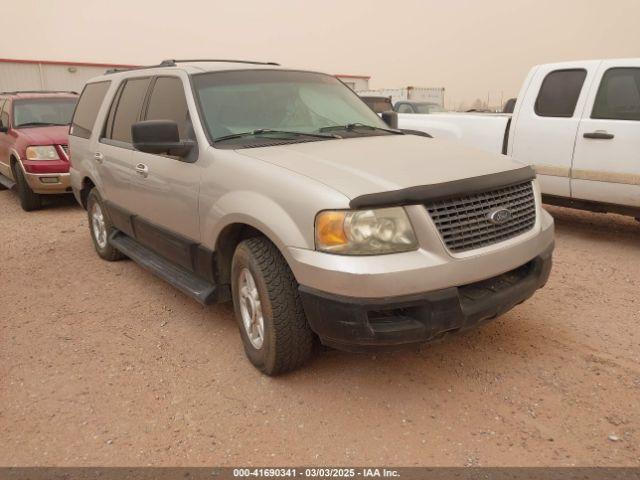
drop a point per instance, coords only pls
(483, 131)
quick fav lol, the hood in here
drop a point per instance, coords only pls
(365, 165)
(49, 135)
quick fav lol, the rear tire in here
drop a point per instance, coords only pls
(100, 226)
(263, 286)
(29, 200)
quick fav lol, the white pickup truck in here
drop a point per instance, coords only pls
(577, 123)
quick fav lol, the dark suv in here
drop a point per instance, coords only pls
(34, 157)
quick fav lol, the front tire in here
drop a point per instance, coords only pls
(100, 226)
(268, 309)
(29, 200)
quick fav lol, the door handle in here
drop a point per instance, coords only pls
(599, 135)
(98, 157)
(142, 169)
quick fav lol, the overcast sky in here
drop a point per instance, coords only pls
(470, 47)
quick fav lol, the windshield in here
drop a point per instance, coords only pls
(427, 108)
(251, 100)
(43, 111)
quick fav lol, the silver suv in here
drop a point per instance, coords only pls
(281, 190)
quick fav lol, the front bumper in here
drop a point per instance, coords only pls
(356, 324)
(49, 183)
(431, 267)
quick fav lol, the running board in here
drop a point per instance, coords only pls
(187, 282)
(7, 182)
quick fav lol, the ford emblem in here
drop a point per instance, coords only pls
(499, 216)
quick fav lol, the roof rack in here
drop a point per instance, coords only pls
(174, 63)
(15, 92)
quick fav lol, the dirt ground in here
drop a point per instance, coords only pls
(104, 364)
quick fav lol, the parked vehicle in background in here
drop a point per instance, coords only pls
(34, 144)
(281, 190)
(578, 123)
(378, 104)
(416, 94)
(417, 107)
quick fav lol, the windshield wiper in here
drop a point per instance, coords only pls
(261, 131)
(40, 124)
(352, 126)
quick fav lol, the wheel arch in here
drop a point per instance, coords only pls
(241, 214)
(14, 162)
(86, 186)
(226, 243)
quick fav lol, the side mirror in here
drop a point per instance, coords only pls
(160, 137)
(390, 118)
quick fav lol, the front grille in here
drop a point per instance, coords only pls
(65, 148)
(464, 224)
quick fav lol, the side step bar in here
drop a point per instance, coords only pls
(7, 182)
(187, 282)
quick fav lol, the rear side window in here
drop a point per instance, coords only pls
(168, 102)
(87, 109)
(618, 96)
(559, 93)
(125, 110)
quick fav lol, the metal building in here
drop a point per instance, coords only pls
(54, 75)
(48, 75)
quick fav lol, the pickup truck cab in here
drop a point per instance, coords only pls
(577, 123)
(34, 152)
(280, 190)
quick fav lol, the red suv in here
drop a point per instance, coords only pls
(34, 157)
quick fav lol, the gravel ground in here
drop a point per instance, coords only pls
(104, 364)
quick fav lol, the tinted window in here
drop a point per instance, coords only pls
(108, 125)
(87, 109)
(128, 108)
(618, 97)
(559, 93)
(167, 102)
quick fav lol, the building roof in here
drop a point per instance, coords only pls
(190, 67)
(66, 64)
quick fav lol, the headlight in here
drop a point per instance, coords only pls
(42, 153)
(365, 232)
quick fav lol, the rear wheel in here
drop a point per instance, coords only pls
(28, 199)
(268, 309)
(100, 225)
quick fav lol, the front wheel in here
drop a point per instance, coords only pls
(29, 200)
(268, 309)
(100, 225)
